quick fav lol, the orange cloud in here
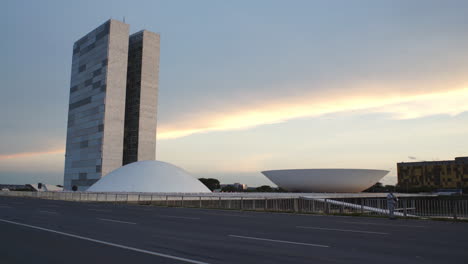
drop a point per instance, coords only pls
(414, 104)
(400, 105)
(31, 154)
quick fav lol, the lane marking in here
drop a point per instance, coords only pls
(5, 206)
(182, 217)
(106, 243)
(116, 221)
(342, 230)
(47, 212)
(280, 241)
(367, 223)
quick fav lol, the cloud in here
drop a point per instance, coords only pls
(31, 154)
(400, 104)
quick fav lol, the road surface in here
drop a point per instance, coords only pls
(47, 231)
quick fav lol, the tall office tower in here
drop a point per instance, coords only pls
(142, 97)
(108, 67)
(97, 105)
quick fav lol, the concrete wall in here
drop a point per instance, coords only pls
(112, 149)
(149, 96)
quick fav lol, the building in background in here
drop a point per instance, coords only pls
(149, 176)
(448, 174)
(325, 180)
(103, 73)
(238, 187)
(141, 98)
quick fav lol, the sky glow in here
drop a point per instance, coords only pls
(247, 86)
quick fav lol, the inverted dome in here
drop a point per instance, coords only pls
(149, 176)
(325, 180)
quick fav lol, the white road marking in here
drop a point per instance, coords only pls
(342, 230)
(366, 223)
(47, 212)
(106, 243)
(280, 241)
(182, 217)
(117, 221)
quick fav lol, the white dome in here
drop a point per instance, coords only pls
(325, 180)
(149, 176)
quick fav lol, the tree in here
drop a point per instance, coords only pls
(265, 188)
(211, 183)
(378, 187)
(229, 188)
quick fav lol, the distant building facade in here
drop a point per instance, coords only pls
(141, 98)
(449, 174)
(103, 74)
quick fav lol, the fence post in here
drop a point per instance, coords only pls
(182, 203)
(296, 205)
(167, 202)
(454, 209)
(266, 203)
(326, 206)
(219, 202)
(405, 206)
(362, 205)
(200, 202)
(242, 203)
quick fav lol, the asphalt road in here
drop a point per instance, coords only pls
(45, 231)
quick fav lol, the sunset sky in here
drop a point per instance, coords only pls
(247, 86)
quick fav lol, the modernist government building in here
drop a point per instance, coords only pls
(112, 123)
(113, 102)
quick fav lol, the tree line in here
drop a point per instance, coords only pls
(214, 184)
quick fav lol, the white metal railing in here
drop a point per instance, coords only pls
(409, 205)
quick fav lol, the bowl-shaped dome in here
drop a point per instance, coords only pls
(149, 176)
(325, 180)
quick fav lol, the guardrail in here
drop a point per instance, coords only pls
(409, 205)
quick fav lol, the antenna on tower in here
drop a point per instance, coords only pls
(124, 19)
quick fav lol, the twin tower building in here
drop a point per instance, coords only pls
(113, 102)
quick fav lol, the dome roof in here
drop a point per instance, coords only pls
(149, 176)
(325, 180)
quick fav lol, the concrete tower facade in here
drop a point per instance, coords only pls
(97, 109)
(142, 97)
